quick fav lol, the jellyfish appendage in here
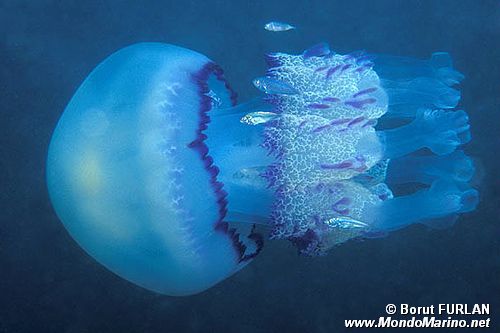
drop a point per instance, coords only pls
(440, 131)
(241, 160)
(425, 169)
(442, 199)
(412, 84)
(337, 150)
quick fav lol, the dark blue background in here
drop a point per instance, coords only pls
(48, 284)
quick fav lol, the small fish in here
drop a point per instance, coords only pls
(278, 26)
(271, 85)
(345, 222)
(258, 117)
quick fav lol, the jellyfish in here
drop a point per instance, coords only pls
(159, 174)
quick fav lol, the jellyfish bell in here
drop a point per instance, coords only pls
(161, 178)
(130, 177)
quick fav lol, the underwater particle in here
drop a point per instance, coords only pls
(276, 26)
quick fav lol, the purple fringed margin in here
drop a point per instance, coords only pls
(200, 78)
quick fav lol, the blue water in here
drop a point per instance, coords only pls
(48, 284)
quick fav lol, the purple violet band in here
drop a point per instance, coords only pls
(200, 78)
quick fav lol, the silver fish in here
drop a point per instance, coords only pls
(345, 222)
(258, 117)
(278, 26)
(271, 85)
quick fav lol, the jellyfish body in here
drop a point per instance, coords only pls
(130, 176)
(160, 177)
